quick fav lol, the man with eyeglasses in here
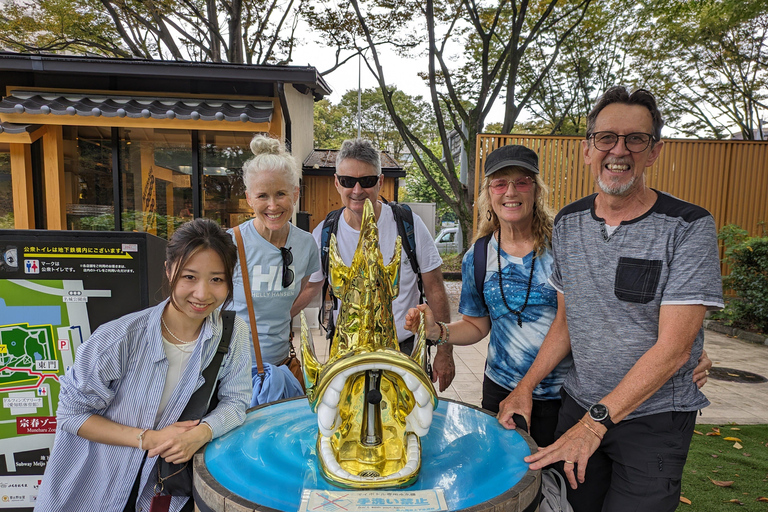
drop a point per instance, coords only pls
(635, 270)
(358, 177)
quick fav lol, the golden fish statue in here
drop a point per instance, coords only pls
(372, 401)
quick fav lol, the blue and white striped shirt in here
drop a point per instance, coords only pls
(119, 373)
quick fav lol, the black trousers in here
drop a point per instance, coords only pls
(543, 415)
(638, 466)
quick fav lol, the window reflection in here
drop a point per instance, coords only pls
(6, 191)
(156, 179)
(222, 155)
(88, 178)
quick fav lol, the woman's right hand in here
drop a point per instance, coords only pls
(517, 402)
(413, 320)
(155, 438)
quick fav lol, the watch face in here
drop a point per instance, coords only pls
(598, 412)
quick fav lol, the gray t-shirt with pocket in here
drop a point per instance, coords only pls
(615, 284)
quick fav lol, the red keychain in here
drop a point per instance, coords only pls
(160, 503)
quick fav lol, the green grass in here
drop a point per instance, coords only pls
(712, 457)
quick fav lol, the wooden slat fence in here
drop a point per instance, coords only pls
(728, 178)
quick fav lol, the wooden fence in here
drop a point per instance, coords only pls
(728, 178)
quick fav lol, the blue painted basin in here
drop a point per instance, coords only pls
(271, 458)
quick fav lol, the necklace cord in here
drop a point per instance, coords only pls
(501, 287)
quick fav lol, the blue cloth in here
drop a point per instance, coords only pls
(271, 302)
(512, 348)
(119, 373)
(277, 383)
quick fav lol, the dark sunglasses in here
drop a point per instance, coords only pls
(287, 272)
(351, 181)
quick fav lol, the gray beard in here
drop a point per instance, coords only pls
(615, 190)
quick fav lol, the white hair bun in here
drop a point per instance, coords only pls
(261, 145)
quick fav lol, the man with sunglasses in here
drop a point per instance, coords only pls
(635, 270)
(358, 177)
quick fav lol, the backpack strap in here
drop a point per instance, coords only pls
(330, 226)
(480, 252)
(405, 228)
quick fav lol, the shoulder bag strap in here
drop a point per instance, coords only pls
(249, 299)
(198, 402)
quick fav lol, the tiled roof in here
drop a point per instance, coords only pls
(17, 128)
(83, 104)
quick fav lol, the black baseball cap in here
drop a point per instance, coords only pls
(512, 155)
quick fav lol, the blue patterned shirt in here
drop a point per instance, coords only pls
(512, 348)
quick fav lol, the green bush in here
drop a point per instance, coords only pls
(747, 258)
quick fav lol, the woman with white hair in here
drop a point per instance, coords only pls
(280, 257)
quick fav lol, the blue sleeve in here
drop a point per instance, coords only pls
(471, 303)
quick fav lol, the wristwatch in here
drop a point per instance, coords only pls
(599, 413)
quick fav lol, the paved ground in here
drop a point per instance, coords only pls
(744, 403)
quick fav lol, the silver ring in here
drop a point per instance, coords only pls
(569, 462)
(706, 372)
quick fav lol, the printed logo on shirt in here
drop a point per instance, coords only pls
(267, 281)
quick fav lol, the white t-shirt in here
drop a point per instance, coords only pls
(426, 254)
(178, 357)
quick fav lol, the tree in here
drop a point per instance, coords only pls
(335, 123)
(472, 56)
(238, 31)
(706, 60)
(592, 59)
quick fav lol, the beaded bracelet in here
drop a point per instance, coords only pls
(445, 333)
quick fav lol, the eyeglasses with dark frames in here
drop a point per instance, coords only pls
(287, 260)
(364, 181)
(501, 185)
(634, 142)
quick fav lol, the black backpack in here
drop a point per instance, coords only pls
(405, 228)
(481, 260)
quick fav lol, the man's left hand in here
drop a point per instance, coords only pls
(701, 372)
(443, 369)
(574, 448)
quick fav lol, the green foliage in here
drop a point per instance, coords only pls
(133, 221)
(6, 221)
(239, 31)
(714, 458)
(452, 262)
(747, 258)
(335, 123)
(706, 62)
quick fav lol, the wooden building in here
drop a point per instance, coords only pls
(137, 145)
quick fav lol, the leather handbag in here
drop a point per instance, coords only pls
(176, 479)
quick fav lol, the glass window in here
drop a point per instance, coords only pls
(6, 191)
(156, 179)
(222, 155)
(88, 178)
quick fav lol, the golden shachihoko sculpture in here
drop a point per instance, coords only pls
(372, 401)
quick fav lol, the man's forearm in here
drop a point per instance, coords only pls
(678, 327)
